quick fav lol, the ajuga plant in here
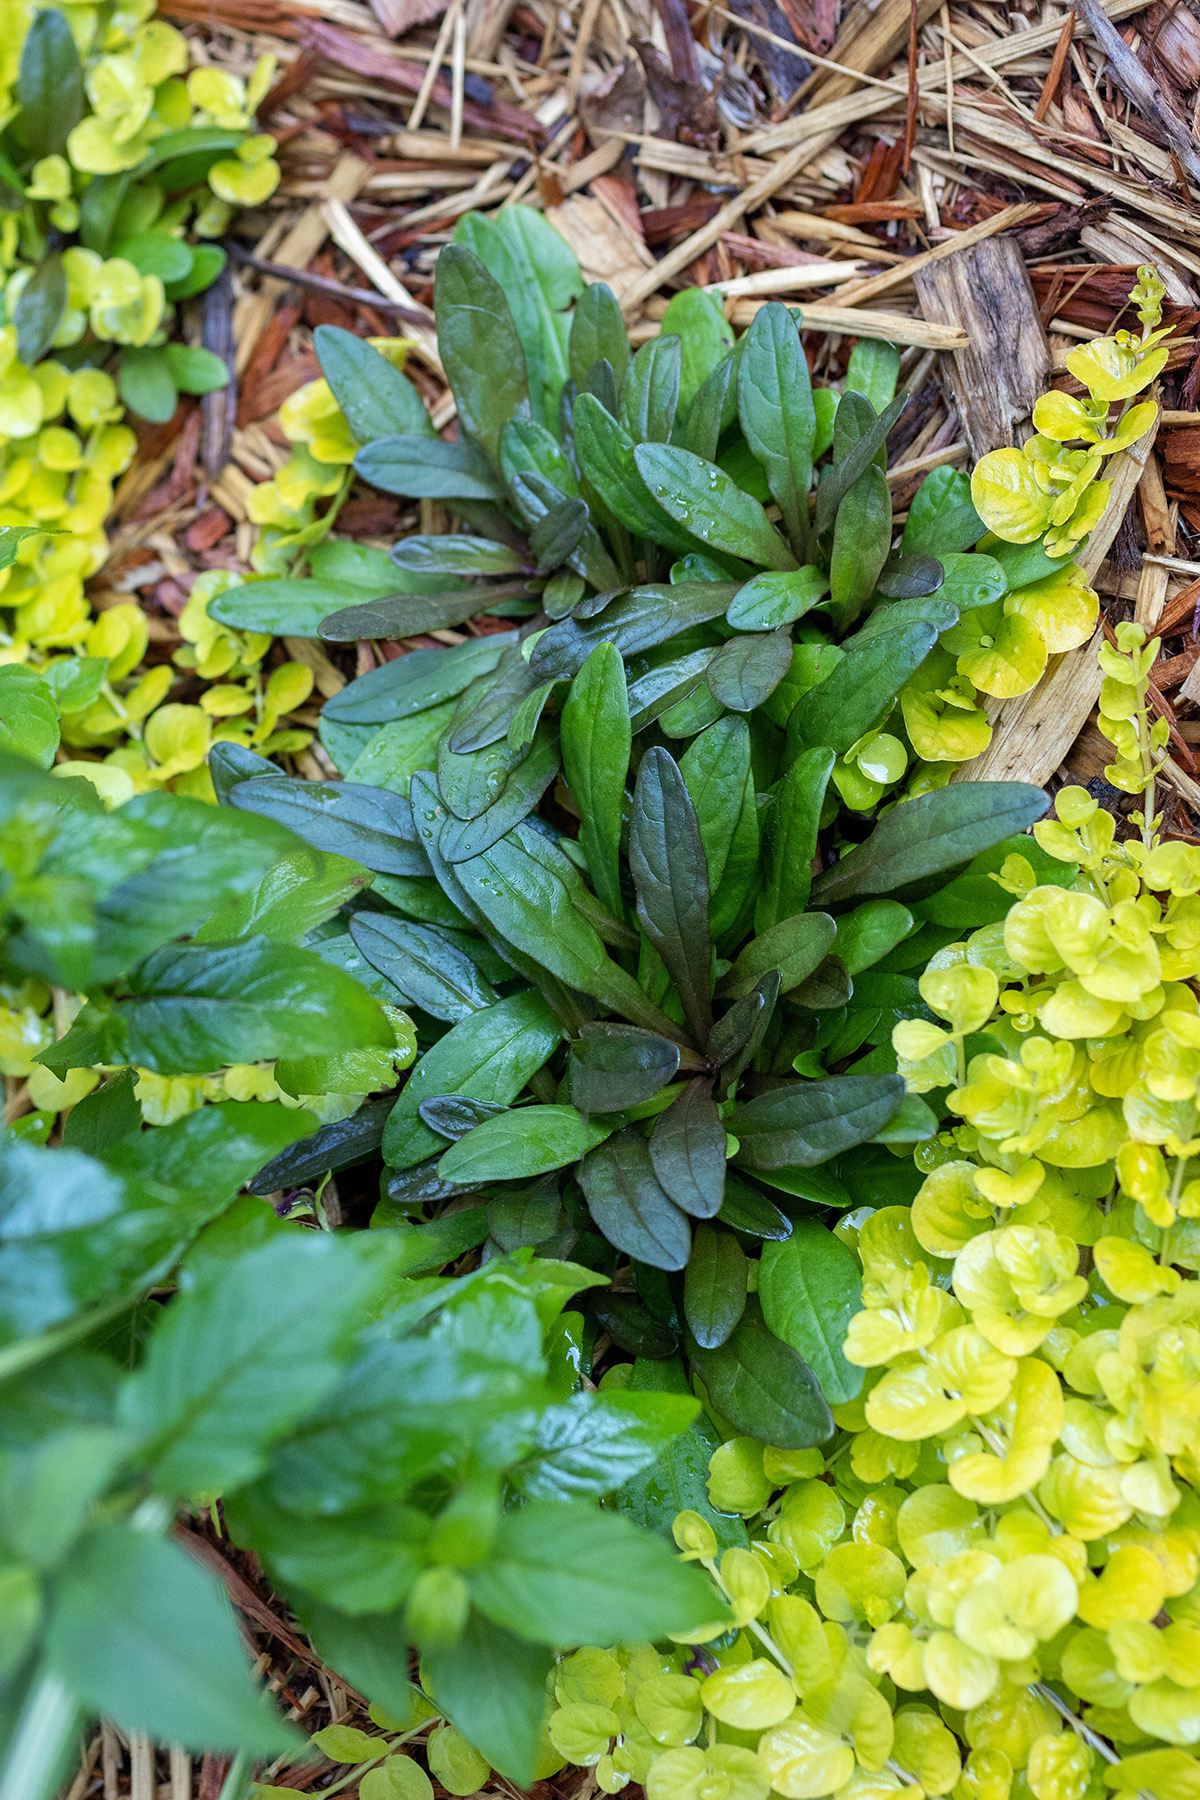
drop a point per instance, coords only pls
(700, 506)
(986, 1582)
(415, 1458)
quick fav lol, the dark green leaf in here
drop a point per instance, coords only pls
(230, 763)
(929, 835)
(806, 1122)
(413, 683)
(828, 986)
(615, 1066)
(594, 1442)
(598, 334)
(705, 334)
(596, 755)
(492, 1685)
(809, 1289)
(103, 1117)
(536, 496)
(701, 497)
(974, 898)
(860, 452)
(670, 873)
(557, 534)
(714, 1287)
(651, 392)
(208, 260)
(369, 825)
(941, 518)
(488, 1056)
(480, 348)
(607, 457)
(862, 537)
(49, 84)
(454, 553)
(748, 669)
(452, 1116)
(288, 607)
(770, 601)
(633, 1327)
(408, 615)
(525, 786)
(677, 1481)
(711, 409)
(363, 1562)
(748, 1210)
(144, 1636)
(716, 768)
(216, 1148)
(687, 1151)
(517, 1145)
(525, 889)
(872, 370)
(647, 615)
(776, 410)
(860, 689)
(792, 825)
(630, 1207)
(763, 1387)
(377, 399)
(427, 965)
(867, 934)
(428, 468)
(793, 948)
(43, 300)
(906, 574)
(737, 1035)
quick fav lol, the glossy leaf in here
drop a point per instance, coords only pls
(492, 1685)
(670, 873)
(651, 392)
(522, 1143)
(860, 452)
(462, 840)
(763, 1387)
(369, 825)
(793, 949)
(714, 1287)
(427, 965)
(776, 410)
(629, 1205)
(771, 601)
(607, 458)
(649, 614)
(748, 1210)
(862, 538)
(42, 302)
(427, 468)
(809, 1288)
(598, 334)
(700, 496)
(376, 398)
(808, 1122)
(687, 1151)
(792, 825)
(928, 836)
(408, 615)
(738, 1033)
(860, 689)
(488, 1056)
(199, 1006)
(615, 1066)
(748, 669)
(480, 349)
(28, 715)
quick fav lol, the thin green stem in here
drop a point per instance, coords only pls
(234, 1785)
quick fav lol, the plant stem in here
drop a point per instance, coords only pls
(234, 1784)
(42, 1742)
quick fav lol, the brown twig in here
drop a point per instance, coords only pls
(321, 284)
